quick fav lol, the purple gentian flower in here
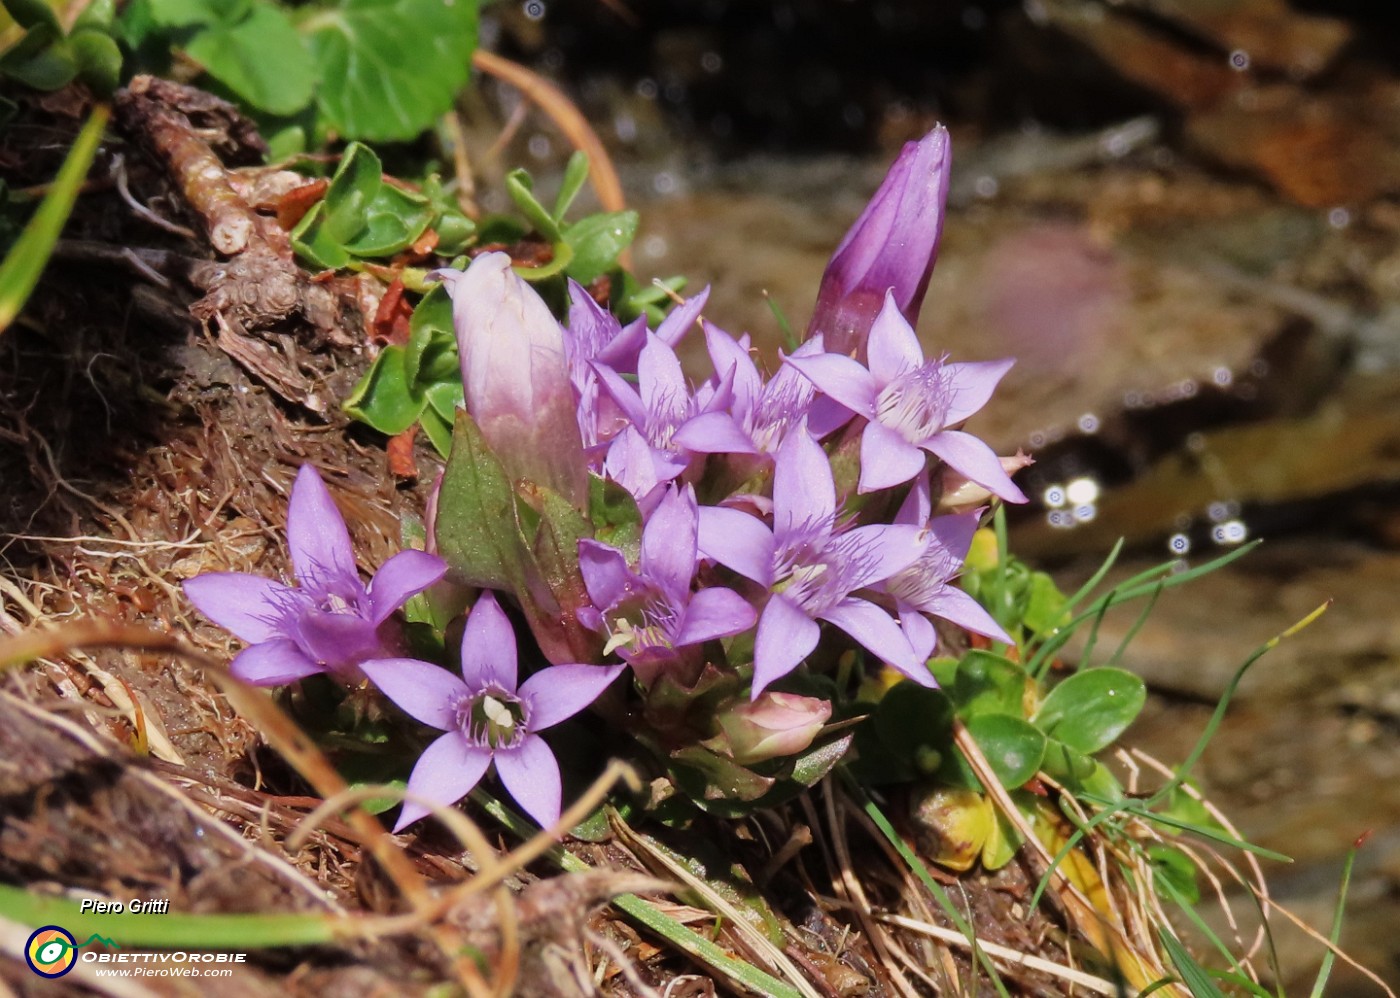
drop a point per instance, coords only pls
(811, 566)
(891, 247)
(486, 718)
(763, 411)
(651, 616)
(333, 621)
(593, 334)
(660, 406)
(926, 586)
(909, 404)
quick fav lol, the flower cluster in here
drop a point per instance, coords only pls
(837, 495)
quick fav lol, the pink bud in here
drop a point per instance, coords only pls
(516, 377)
(891, 247)
(959, 495)
(775, 724)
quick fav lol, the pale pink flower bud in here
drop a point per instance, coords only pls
(516, 377)
(775, 724)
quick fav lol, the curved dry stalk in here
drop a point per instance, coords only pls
(553, 102)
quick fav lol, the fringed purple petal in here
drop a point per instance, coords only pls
(489, 656)
(714, 433)
(841, 378)
(917, 505)
(425, 692)
(953, 604)
(714, 613)
(561, 691)
(337, 639)
(737, 541)
(322, 556)
(876, 631)
(669, 550)
(623, 394)
(682, 317)
(785, 637)
(605, 573)
(882, 550)
(404, 575)
(252, 608)
(886, 459)
(273, 663)
(530, 774)
(952, 534)
(445, 773)
(922, 635)
(972, 458)
(971, 385)
(660, 379)
(893, 347)
(804, 494)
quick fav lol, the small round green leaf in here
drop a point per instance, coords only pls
(1092, 708)
(1014, 747)
(989, 684)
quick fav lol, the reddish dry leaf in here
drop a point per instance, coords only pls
(391, 319)
(400, 451)
(298, 201)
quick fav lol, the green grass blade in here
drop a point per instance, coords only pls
(1096, 578)
(1325, 971)
(20, 270)
(213, 932)
(1193, 975)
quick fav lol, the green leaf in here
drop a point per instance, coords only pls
(704, 775)
(438, 431)
(42, 59)
(25, 262)
(912, 719)
(261, 58)
(194, 13)
(989, 684)
(1175, 867)
(430, 330)
(314, 244)
(575, 176)
(1045, 605)
(616, 519)
(1080, 773)
(521, 189)
(384, 398)
(446, 397)
(597, 241)
(357, 180)
(555, 548)
(1092, 708)
(396, 218)
(99, 15)
(390, 67)
(31, 14)
(1013, 746)
(98, 58)
(478, 531)
(1193, 975)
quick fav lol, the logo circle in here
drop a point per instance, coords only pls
(51, 951)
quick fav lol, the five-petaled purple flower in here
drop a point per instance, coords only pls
(909, 405)
(333, 621)
(488, 716)
(651, 617)
(926, 586)
(811, 566)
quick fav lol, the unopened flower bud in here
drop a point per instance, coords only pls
(516, 377)
(891, 247)
(960, 495)
(776, 724)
